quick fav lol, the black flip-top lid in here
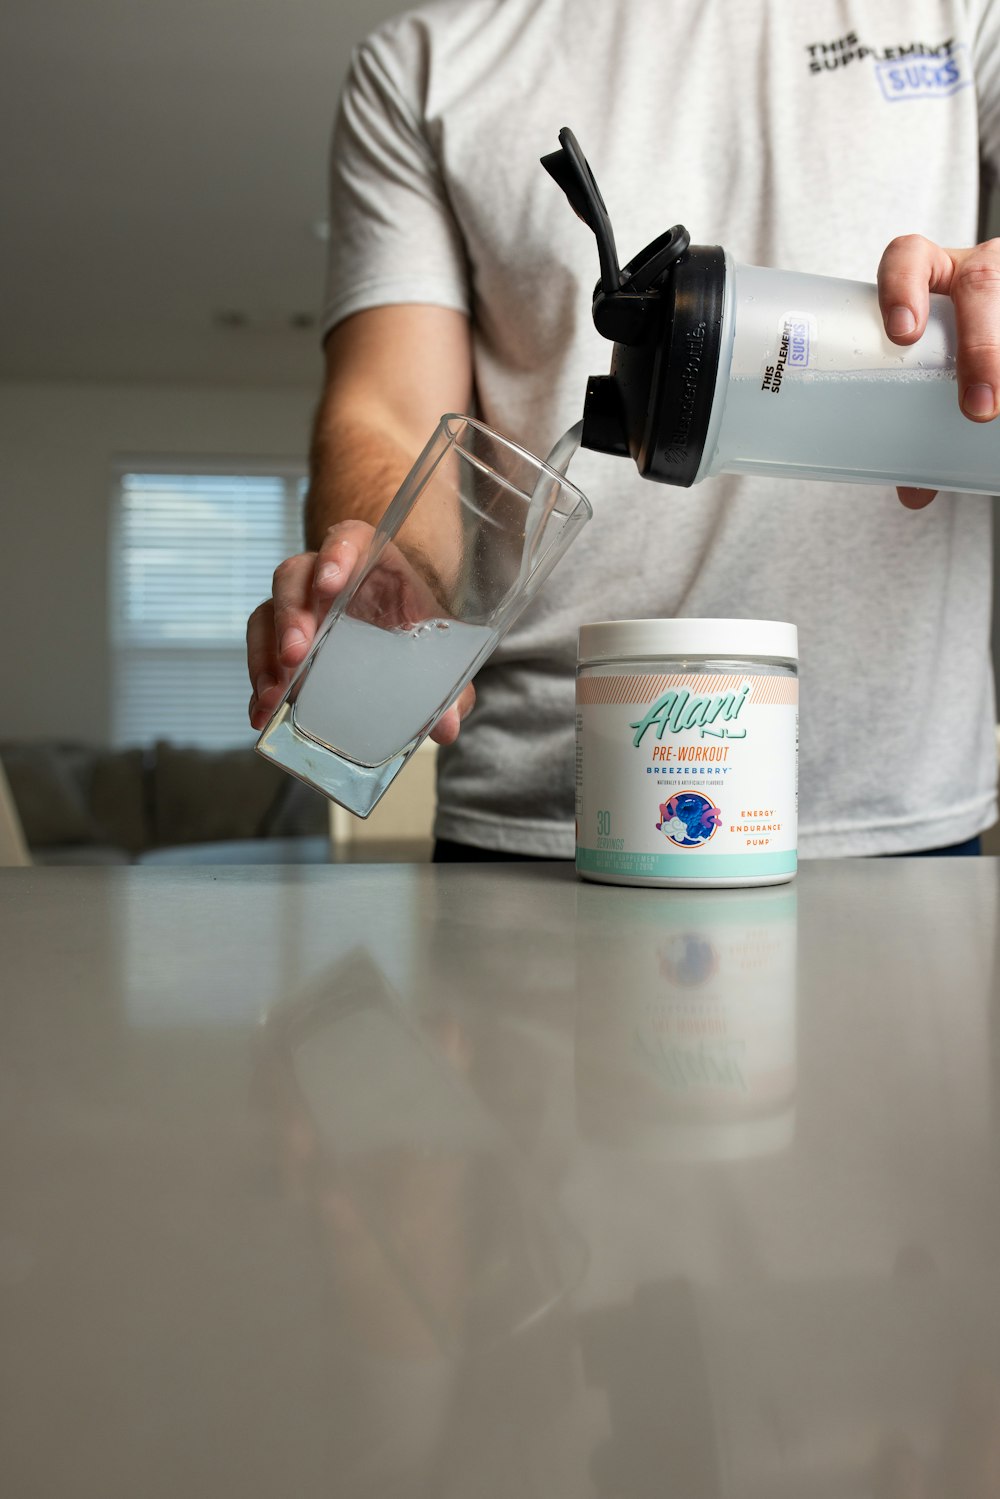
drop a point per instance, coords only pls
(663, 312)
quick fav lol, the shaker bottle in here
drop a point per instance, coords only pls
(720, 367)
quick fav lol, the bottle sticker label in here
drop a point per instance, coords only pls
(691, 775)
(796, 340)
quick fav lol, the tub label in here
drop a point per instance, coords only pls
(690, 776)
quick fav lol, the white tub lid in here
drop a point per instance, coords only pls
(630, 639)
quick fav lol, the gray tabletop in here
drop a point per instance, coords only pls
(478, 1181)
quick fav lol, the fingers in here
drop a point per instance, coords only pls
(305, 586)
(266, 676)
(294, 620)
(260, 643)
(446, 730)
(913, 267)
(975, 291)
(281, 630)
(909, 270)
(337, 557)
(279, 633)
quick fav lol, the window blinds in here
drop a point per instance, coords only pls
(192, 556)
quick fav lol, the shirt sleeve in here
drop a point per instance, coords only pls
(986, 64)
(393, 236)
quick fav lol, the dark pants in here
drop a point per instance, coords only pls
(970, 846)
(446, 852)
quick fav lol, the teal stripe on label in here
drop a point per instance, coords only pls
(685, 866)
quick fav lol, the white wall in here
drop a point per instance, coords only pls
(57, 446)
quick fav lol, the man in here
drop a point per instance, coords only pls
(802, 137)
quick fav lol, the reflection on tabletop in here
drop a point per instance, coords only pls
(726, 1248)
(444, 1248)
(685, 1031)
(412, 1185)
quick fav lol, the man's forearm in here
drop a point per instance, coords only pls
(355, 468)
(391, 372)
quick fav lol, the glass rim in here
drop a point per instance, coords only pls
(446, 425)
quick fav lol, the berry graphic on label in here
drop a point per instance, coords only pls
(689, 819)
(688, 959)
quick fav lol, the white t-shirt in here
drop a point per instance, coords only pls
(797, 136)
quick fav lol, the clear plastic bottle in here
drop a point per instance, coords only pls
(809, 386)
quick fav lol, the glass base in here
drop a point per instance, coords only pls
(359, 788)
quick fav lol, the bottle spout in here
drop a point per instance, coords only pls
(605, 424)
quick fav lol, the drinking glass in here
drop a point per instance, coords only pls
(473, 531)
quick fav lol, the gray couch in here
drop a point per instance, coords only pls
(165, 803)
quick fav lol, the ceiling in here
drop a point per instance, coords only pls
(164, 168)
